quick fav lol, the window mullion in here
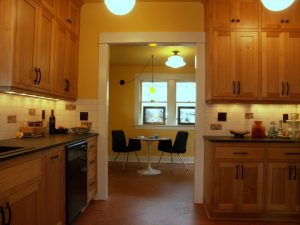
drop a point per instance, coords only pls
(171, 102)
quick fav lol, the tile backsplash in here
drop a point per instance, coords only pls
(23, 109)
(242, 116)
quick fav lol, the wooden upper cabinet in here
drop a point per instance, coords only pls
(235, 65)
(235, 14)
(286, 19)
(68, 13)
(280, 65)
(26, 42)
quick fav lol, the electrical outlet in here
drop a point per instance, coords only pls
(222, 116)
(84, 116)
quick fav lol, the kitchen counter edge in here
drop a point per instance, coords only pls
(41, 143)
(249, 139)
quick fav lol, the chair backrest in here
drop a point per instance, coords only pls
(118, 140)
(179, 145)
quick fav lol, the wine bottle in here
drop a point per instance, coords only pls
(52, 123)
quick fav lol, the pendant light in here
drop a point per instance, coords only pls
(119, 7)
(277, 5)
(152, 88)
(175, 61)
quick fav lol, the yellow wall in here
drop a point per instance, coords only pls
(121, 107)
(146, 17)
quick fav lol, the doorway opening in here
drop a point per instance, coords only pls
(108, 39)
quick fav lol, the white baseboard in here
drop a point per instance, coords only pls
(165, 159)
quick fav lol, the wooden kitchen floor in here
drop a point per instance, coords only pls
(165, 199)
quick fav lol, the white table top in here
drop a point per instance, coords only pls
(150, 138)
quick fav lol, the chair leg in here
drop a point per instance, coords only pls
(159, 159)
(138, 159)
(172, 162)
(125, 161)
(187, 168)
(116, 157)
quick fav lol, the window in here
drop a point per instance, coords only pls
(172, 103)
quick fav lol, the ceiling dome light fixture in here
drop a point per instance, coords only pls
(175, 61)
(119, 7)
(277, 5)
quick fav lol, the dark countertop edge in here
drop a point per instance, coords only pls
(249, 139)
(30, 148)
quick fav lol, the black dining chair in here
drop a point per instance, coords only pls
(179, 147)
(119, 145)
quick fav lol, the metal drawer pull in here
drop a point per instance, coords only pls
(240, 153)
(290, 172)
(233, 87)
(242, 175)
(237, 172)
(292, 153)
(9, 214)
(93, 161)
(55, 157)
(282, 88)
(2, 215)
(295, 175)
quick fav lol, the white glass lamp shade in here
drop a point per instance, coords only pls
(119, 7)
(277, 5)
(175, 61)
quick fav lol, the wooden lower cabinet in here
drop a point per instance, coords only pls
(283, 185)
(21, 190)
(239, 186)
(54, 187)
(252, 180)
(92, 168)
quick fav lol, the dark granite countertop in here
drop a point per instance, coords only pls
(37, 144)
(249, 139)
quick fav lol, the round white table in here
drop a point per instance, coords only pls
(149, 140)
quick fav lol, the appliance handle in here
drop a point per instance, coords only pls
(80, 144)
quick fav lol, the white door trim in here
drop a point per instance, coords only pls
(105, 40)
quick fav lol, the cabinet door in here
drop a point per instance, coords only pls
(226, 186)
(295, 193)
(278, 187)
(71, 65)
(272, 65)
(251, 187)
(26, 36)
(49, 4)
(62, 10)
(246, 63)
(74, 17)
(246, 14)
(223, 80)
(25, 205)
(54, 188)
(289, 18)
(59, 59)
(223, 14)
(45, 50)
(292, 65)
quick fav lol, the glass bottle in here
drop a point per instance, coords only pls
(258, 130)
(52, 123)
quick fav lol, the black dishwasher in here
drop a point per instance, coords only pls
(76, 179)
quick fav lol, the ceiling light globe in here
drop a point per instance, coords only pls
(119, 7)
(277, 5)
(175, 61)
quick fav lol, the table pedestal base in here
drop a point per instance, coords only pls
(149, 171)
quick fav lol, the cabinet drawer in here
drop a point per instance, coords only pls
(284, 153)
(239, 152)
(19, 174)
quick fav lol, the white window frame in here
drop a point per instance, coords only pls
(171, 122)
